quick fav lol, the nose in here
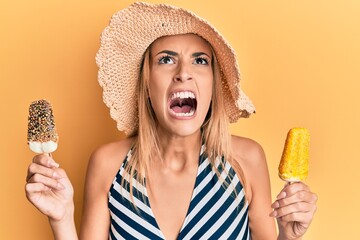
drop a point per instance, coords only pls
(183, 73)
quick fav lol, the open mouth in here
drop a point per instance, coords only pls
(183, 104)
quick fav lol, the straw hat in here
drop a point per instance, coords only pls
(130, 33)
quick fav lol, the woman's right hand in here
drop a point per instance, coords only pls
(49, 189)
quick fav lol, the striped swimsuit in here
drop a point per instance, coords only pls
(215, 212)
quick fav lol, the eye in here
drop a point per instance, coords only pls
(166, 60)
(201, 61)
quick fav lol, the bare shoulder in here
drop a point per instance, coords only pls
(247, 151)
(111, 152)
(251, 157)
(103, 165)
(106, 160)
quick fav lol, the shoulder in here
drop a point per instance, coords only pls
(247, 151)
(103, 165)
(106, 160)
(250, 155)
(111, 152)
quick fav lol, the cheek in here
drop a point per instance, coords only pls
(157, 92)
(207, 88)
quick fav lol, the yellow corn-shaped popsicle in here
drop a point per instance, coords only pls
(294, 164)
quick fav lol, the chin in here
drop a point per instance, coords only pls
(184, 129)
(188, 132)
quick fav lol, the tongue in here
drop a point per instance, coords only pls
(182, 109)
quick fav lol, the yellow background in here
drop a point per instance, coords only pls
(300, 65)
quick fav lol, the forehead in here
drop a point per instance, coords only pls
(178, 43)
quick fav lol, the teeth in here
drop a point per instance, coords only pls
(183, 95)
(189, 114)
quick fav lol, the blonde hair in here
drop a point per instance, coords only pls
(215, 130)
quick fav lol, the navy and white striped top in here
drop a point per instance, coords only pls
(215, 212)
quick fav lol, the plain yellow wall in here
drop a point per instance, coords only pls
(300, 65)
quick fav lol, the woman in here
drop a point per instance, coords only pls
(172, 84)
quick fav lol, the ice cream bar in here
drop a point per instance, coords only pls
(42, 136)
(294, 164)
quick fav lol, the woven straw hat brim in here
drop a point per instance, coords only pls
(124, 41)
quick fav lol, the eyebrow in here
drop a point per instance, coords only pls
(172, 53)
(198, 54)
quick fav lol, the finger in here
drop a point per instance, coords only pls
(293, 188)
(40, 169)
(301, 196)
(300, 217)
(31, 188)
(45, 160)
(300, 207)
(49, 182)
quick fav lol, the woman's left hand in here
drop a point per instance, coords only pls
(294, 210)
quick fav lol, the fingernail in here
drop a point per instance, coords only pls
(281, 195)
(275, 204)
(60, 186)
(273, 214)
(53, 164)
(56, 175)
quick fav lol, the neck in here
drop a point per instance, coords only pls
(178, 152)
